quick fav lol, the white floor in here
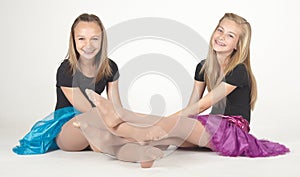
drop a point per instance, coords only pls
(179, 163)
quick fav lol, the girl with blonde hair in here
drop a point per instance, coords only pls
(232, 93)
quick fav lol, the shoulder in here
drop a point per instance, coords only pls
(65, 62)
(199, 76)
(240, 67)
(202, 62)
(64, 69)
(200, 65)
(64, 75)
(64, 65)
(112, 64)
(115, 71)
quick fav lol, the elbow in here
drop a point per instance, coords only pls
(202, 107)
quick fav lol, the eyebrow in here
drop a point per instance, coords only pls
(229, 31)
(91, 36)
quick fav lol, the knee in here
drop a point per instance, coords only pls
(71, 139)
(66, 145)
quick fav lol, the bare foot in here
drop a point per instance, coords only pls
(148, 164)
(105, 108)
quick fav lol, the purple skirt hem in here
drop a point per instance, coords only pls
(229, 138)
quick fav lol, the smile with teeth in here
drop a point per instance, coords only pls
(219, 43)
(89, 51)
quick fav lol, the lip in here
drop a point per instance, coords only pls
(88, 51)
(219, 43)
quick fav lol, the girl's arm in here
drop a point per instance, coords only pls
(145, 119)
(207, 101)
(124, 114)
(114, 96)
(197, 92)
(117, 123)
(165, 125)
(77, 99)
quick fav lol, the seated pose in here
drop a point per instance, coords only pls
(113, 130)
(86, 66)
(232, 92)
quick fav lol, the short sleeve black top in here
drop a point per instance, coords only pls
(238, 101)
(65, 78)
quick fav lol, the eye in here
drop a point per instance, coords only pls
(95, 39)
(81, 38)
(230, 35)
(220, 30)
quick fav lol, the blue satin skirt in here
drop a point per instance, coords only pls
(41, 138)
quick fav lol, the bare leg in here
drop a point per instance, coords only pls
(66, 141)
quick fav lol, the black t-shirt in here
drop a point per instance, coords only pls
(238, 101)
(65, 78)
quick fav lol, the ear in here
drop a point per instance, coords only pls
(236, 46)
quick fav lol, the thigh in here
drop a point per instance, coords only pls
(71, 138)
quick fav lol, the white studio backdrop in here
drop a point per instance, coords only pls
(35, 40)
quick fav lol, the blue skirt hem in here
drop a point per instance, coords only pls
(41, 138)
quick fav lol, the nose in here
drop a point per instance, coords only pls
(222, 37)
(88, 44)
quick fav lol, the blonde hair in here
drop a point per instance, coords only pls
(241, 55)
(102, 61)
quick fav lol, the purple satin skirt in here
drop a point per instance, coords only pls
(229, 136)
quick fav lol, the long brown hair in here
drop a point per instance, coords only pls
(211, 68)
(102, 61)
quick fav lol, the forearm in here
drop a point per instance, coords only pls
(82, 104)
(214, 96)
(139, 118)
(197, 92)
(191, 109)
(77, 99)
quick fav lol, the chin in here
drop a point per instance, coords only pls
(89, 57)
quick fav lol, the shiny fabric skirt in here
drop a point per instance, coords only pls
(229, 136)
(41, 138)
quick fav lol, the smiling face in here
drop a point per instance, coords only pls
(87, 36)
(226, 37)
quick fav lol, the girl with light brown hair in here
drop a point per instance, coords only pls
(232, 93)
